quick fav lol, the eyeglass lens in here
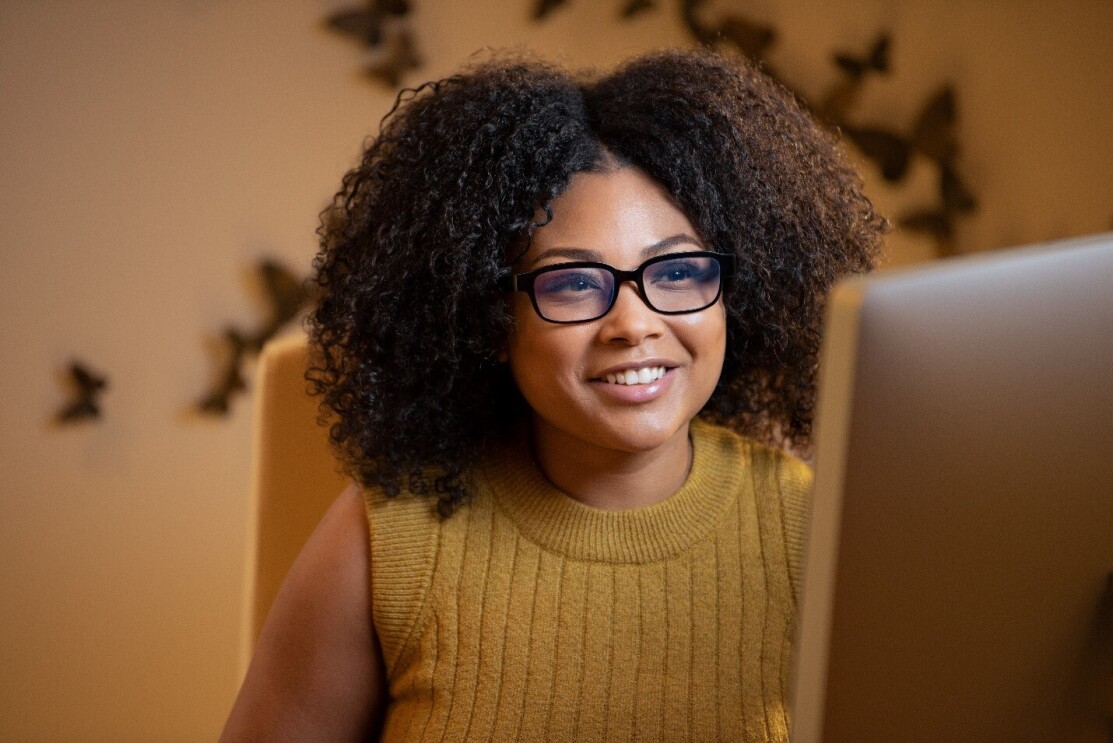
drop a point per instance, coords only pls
(684, 284)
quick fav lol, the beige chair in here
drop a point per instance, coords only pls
(294, 478)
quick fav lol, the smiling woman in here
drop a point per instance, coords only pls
(568, 325)
(617, 216)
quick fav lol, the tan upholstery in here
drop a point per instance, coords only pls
(295, 477)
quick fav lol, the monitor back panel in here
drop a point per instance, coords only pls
(956, 584)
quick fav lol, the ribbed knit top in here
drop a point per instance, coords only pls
(530, 616)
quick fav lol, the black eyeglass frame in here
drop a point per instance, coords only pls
(523, 282)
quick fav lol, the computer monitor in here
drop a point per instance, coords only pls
(957, 573)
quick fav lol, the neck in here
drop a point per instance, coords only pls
(612, 479)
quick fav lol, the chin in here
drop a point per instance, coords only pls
(639, 439)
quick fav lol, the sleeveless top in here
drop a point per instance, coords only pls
(530, 616)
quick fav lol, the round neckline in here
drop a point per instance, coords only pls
(558, 522)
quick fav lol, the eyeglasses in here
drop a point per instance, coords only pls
(582, 291)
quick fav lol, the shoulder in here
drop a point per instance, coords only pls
(776, 475)
(316, 669)
(790, 479)
(405, 533)
(789, 475)
(395, 521)
(780, 484)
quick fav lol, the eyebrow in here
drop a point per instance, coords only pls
(586, 254)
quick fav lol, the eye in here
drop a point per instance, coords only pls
(678, 273)
(682, 273)
(571, 284)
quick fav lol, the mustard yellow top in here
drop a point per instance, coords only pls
(530, 616)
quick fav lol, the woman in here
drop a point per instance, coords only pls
(569, 324)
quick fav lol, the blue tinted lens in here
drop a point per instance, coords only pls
(566, 294)
(681, 284)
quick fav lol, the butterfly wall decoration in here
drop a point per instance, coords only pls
(634, 8)
(542, 8)
(85, 388)
(286, 296)
(840, 99)
(731, 29)
(382, 28)
(230, 379)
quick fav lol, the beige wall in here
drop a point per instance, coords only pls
(150, 152)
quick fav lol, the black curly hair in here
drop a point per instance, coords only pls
(410, 320)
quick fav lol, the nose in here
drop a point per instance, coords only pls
(630, 320)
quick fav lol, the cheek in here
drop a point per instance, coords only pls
(707, 342)
(706, 335)
(542, 356)
(720, 340)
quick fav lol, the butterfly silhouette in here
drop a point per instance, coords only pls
(379, 28)
(87, 387)
(542, 8)
(875, 60)
(750, 38)
(230, 380)
(286, 296)
(955, 200)
(844, 94)
(933, 135)
(636, 7)
(397, 56)
(366, 25)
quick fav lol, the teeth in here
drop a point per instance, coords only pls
(645, 375)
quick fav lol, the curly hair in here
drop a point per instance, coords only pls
(410, 319)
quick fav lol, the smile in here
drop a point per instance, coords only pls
(645, 375)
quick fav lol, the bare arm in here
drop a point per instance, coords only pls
(317, 672)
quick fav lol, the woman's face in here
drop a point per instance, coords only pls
(621, 218)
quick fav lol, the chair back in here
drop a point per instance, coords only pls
(295, 477)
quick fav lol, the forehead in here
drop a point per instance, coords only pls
(616, 215)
